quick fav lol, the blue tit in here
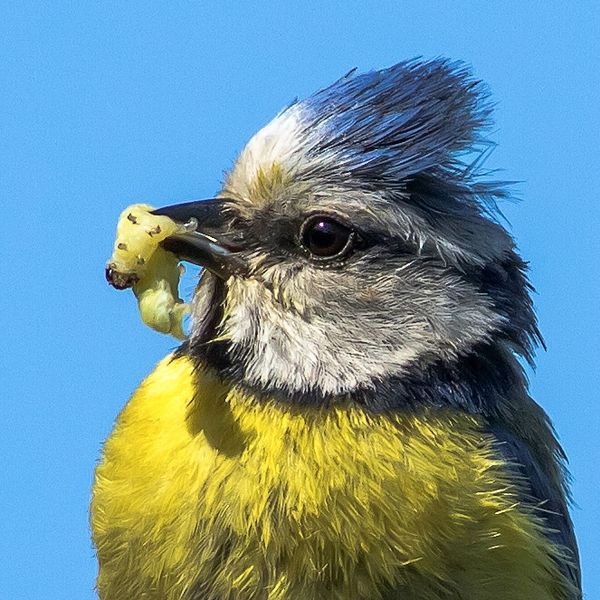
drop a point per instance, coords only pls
(348, 418)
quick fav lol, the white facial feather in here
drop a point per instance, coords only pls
(335, 353)
(280, 142)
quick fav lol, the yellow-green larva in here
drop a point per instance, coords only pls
(138, 261)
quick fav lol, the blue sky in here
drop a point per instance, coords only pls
(111, 103)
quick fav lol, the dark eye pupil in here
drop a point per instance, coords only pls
(324, 237)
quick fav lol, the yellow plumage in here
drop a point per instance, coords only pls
(206, 493)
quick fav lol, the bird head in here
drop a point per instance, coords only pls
(355, 241)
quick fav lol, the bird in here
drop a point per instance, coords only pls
(349, 416)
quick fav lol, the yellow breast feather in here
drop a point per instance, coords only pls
(205, 493)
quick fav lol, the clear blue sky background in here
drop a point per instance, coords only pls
(106, 104)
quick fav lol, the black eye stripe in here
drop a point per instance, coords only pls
(325, 237)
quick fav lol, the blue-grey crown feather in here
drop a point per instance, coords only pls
(399, 121)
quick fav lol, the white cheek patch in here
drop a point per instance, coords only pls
(282, 350)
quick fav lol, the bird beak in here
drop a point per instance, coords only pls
(205, 239)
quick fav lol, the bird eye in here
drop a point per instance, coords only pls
(325, 238)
